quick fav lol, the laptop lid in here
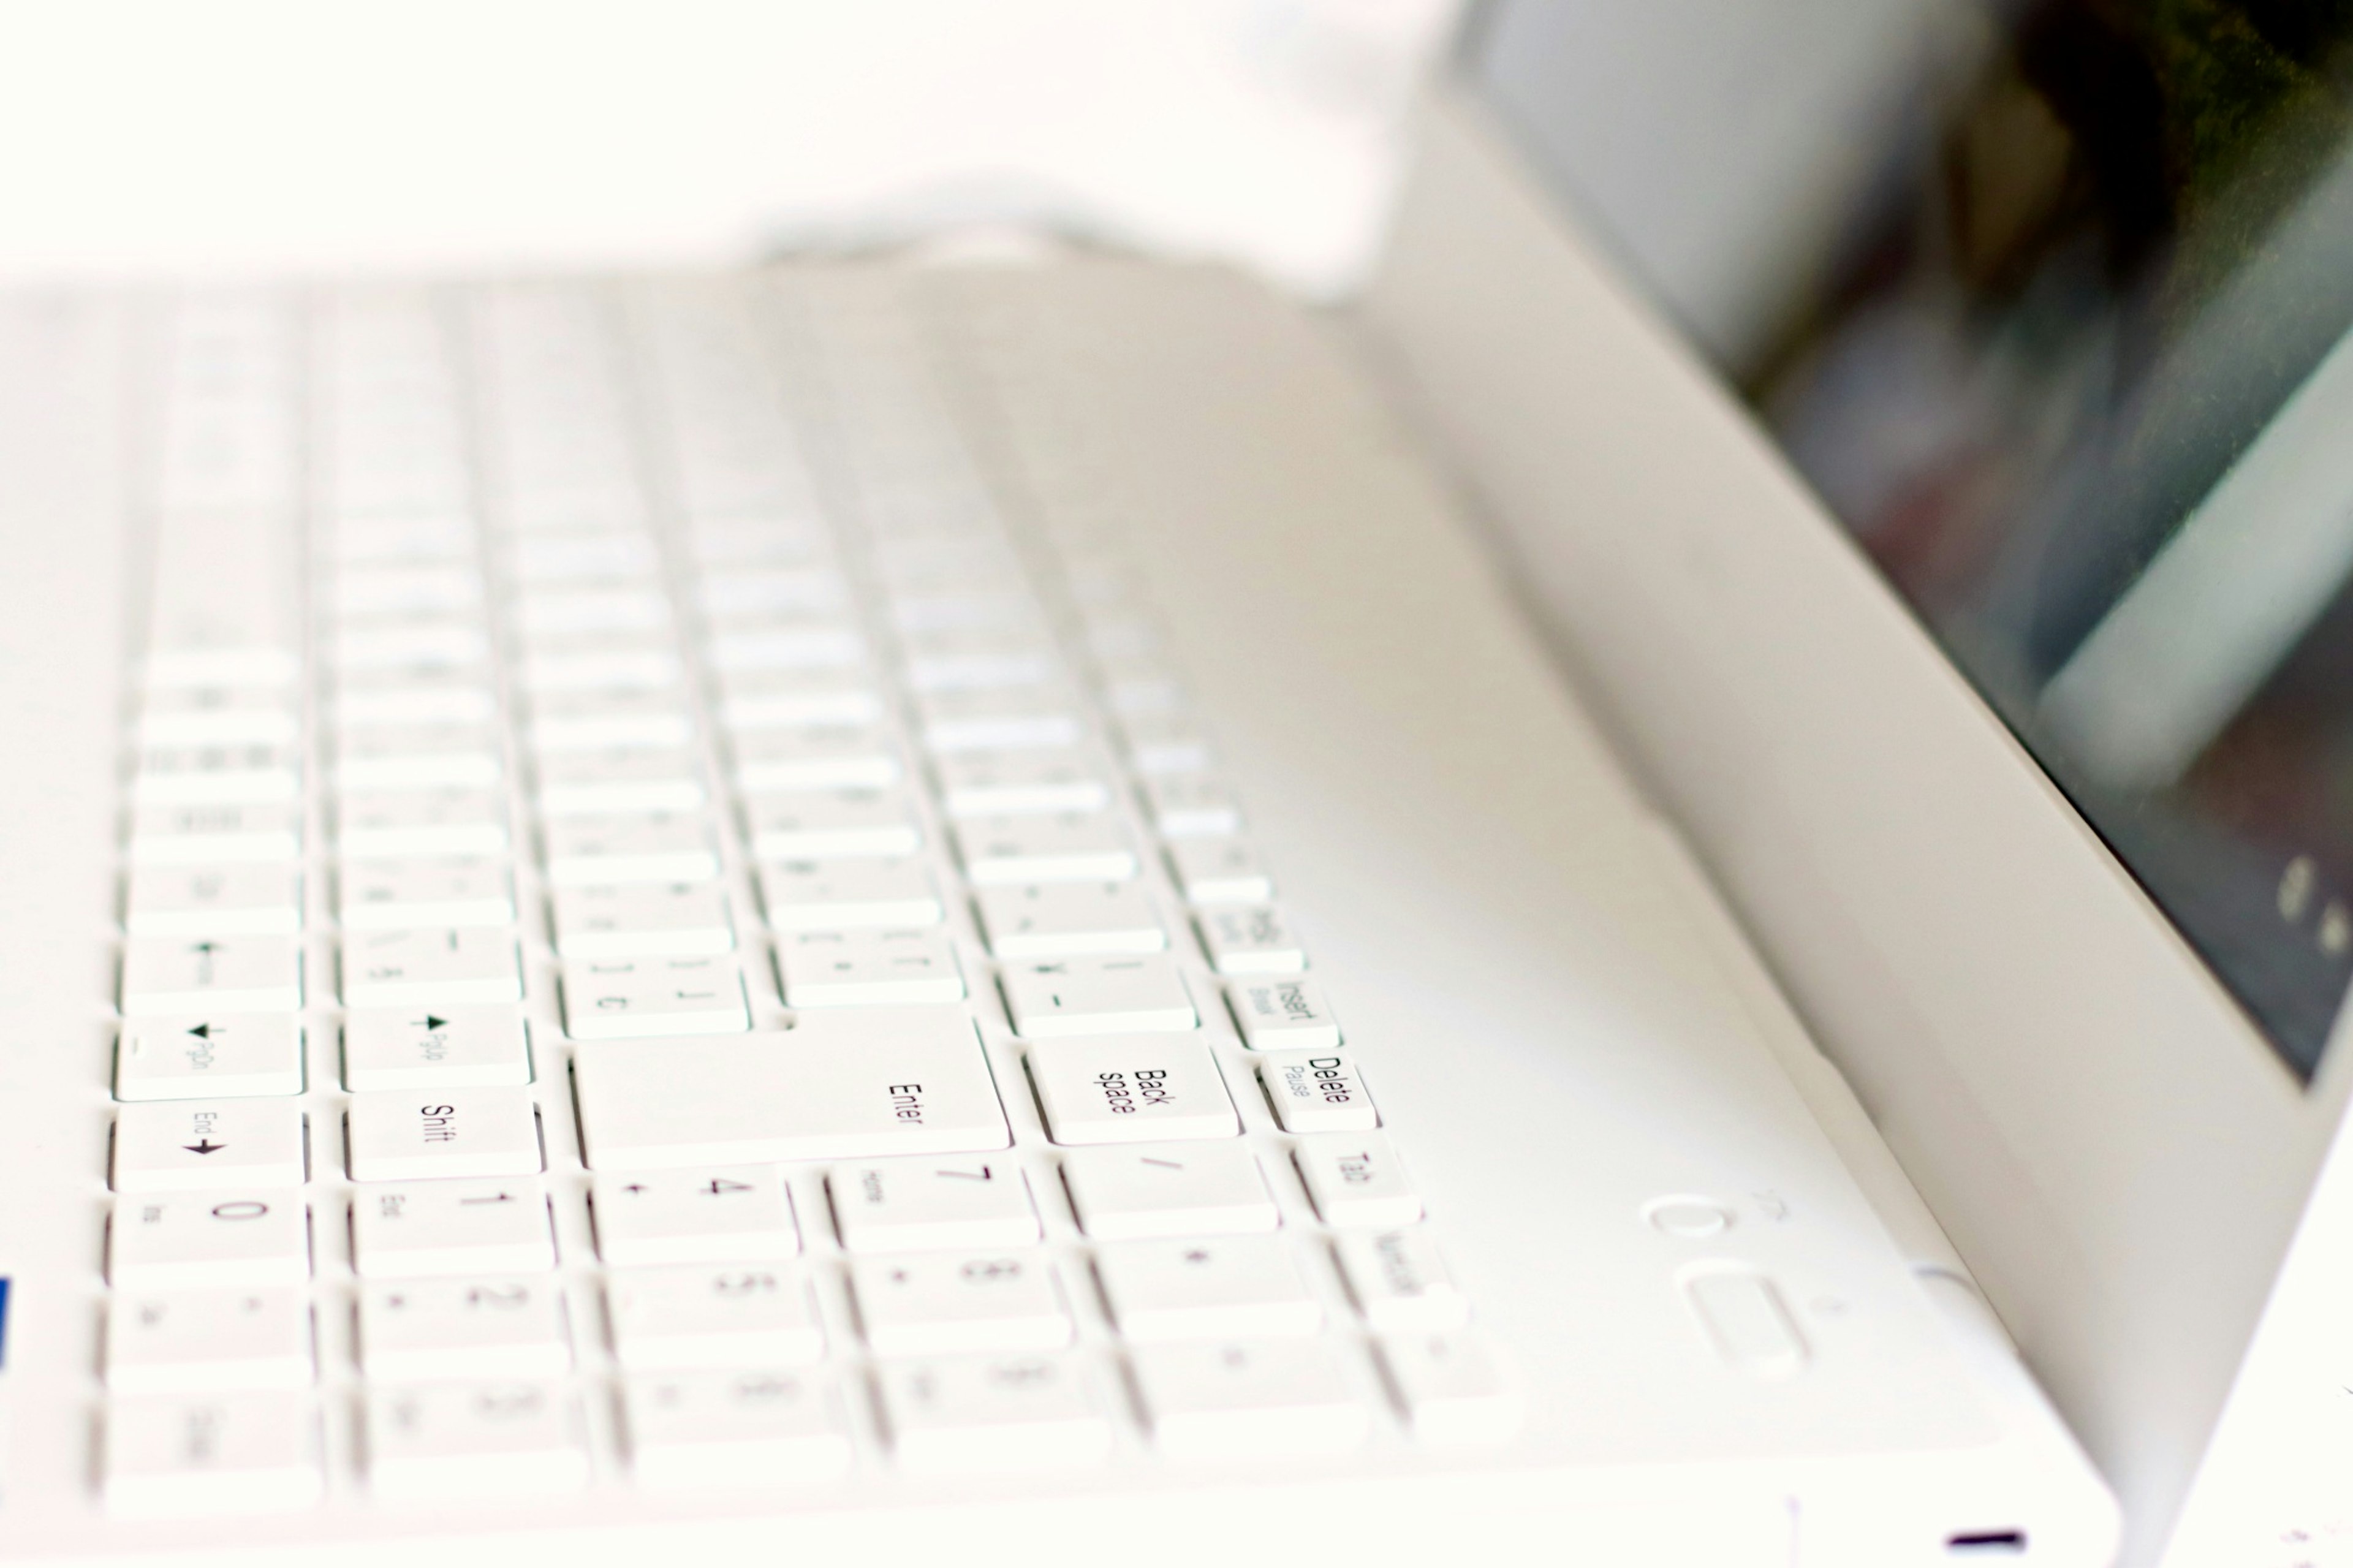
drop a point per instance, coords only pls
(1914, 422)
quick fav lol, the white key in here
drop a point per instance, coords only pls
(655, 847)
(179, 668)
(394, 590)
(656, 722)
(385, 771)
(767, 592)
(421, 644)
(785, 761)
(1355, 1180)
(850, 1085)
(214, 900)
(984, 662)
(917, 614)
(211, 1453)
(408, 703)
(1399, 1282)
(1174, 1189)
(999, 851)
(443, 1131)
(235, 719)
(571, 557)
(1206, 1287)
(1219, 871)
(868, 968)
(538, 611)
(1111, 995)
(421, 823)
(236, 773)
(419, 895)
(199, 1056)
(1040, 719)
(1248, 938)
(715, 1214)
(620, 998)
(1019, 783)
(997, 1413)
(214, 834)
(750, 1429)
(417, 755)
(451, 968)
(451, 1227)
(473, 1440)
(600, 784)
(235, 974)
(416, 1048)
(1251, 1399)
(952, 1303)
(1133, 686)
(1317, 1091)
(736, 1316)
(1166, 744)
(748, 707)
(1453, 1392)
(1282, 1013)
(357, 539)
(812, 646)
(906, 1206)
(1061, 918)
(193, 1145)
(1136, 1088)
(640, 921)
(1191, 805)
(849, 895)
(205, 1341)
(257, 1236)
(412, 1331)
(839, 824)
(618, 669)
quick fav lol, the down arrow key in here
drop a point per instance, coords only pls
(240, 1147)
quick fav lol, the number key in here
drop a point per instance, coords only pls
(708, 1215)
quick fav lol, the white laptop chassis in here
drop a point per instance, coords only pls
(1572, 1042)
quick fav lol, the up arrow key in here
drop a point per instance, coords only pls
(201, 1145)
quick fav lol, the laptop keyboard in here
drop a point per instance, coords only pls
(673, 938)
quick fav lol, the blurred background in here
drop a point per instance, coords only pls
(142, 136)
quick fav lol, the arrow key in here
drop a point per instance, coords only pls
(208, 1057)
(413, 1048)
(190, 1145)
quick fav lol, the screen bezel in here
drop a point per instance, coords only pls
(2115, 1150)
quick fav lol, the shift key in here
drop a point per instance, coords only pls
(886, 1081)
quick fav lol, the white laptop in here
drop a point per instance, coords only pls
(908, 914)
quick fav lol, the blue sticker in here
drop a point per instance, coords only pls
(3, 1321)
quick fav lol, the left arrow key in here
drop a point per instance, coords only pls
(190, 1144)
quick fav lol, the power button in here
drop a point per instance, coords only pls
(1743, 1315)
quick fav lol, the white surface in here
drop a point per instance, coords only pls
(272, 135)
(2117, 1154)
(1500, 837)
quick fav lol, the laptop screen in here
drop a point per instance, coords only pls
(2049, 301)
